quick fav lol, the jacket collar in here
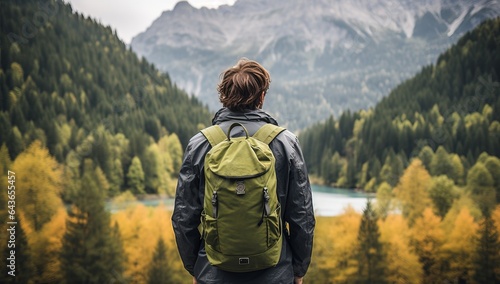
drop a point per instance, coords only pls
(224, 114)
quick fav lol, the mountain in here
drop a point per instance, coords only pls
(447, 115)
(324, 56)
(70, 83)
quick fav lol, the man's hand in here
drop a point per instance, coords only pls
(195, 282)
(298, 280)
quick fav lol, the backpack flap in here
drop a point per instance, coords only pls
(239, 158)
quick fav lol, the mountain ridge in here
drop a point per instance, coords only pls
(342, 55)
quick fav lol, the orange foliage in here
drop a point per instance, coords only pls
(495, 215)
(460, 246)
(335, 247)
(140, 229)
(427, 239)
(403, 265)
(46, 247)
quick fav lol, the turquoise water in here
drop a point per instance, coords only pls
(327, 201)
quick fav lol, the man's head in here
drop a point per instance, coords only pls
(244, 85)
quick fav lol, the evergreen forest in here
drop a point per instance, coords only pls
(85, 124)
(448, 115)
(70, 83)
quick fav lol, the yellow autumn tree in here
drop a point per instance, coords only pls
(140, 229)
(412, 191)
(38, 185)
(427, 239)
(403, 264)
(335, 247)
(134, 224)
(162, 227)
(459, 248)
(465, 201)
(495, 215)
(46, 245)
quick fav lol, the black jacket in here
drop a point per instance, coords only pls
(294, 193)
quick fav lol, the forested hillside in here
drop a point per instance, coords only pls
(70, 83)
(83, 119)
(431, 152)
(448, 115)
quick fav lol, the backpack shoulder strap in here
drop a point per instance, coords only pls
(268, 132)
(214, 134)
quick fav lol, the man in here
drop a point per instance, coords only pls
(242, 90)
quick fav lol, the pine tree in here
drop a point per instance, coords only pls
(493, 165)
(135, 176)
(441, 163)
(442, 192)
(487, 262)
(158, 272)
(370, 255)
(480, 184)
(384, 200)
(89, 253)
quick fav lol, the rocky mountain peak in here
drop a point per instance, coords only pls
(342, 54)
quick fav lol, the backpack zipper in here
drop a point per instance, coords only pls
(266, 208)
(214, 204)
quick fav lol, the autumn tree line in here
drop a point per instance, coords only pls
(80, 241)
(426, 229)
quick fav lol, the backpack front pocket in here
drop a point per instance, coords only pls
(273, 223)
(210, 231)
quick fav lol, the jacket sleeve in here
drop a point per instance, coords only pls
(188, 207)
(299, 212)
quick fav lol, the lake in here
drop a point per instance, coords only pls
(327, 201)
(330, 201)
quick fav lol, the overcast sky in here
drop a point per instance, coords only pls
(130, 17)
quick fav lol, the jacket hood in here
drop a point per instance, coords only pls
(225, 114)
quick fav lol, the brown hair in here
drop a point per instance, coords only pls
(241, 86)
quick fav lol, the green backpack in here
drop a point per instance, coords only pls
(241, 219)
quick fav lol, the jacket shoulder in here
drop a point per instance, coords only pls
(288, 137)
(197, 146)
